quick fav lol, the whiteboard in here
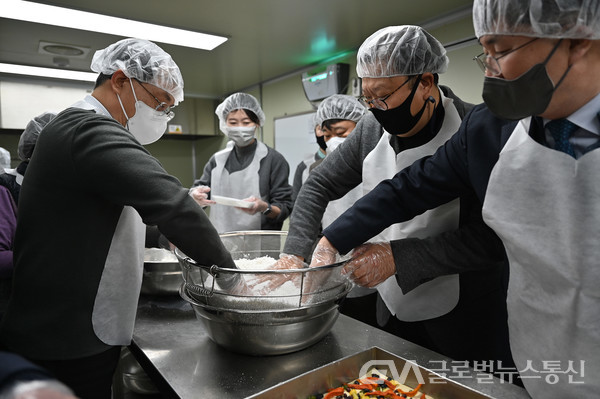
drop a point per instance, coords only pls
(294, 138)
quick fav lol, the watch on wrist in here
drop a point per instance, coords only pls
(268, 210)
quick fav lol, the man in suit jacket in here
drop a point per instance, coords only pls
(536, 178)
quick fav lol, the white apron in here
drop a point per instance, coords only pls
(440, 295)
(336, 207)
(545, 206)
(241, 184)
(116, 301)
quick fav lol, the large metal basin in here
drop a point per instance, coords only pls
(268, 323)
(267, 332)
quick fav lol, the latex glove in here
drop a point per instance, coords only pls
(259, 205)
(200, 195)
(371, 264)
(285, 262)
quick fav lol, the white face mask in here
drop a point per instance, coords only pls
(334, 143)
(147, 125)
(241, 135)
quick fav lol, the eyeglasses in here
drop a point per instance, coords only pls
(162, 106)
(380, 103)
(490, 64)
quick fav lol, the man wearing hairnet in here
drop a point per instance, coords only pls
(338, 115)
(536, 177)
(90, 188)
(246, 169)
(463, 317)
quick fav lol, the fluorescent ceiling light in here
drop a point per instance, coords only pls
(65, 17)
(48, 72)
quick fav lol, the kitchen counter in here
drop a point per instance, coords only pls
(176, 352)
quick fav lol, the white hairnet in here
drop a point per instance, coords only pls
(400, 51)
(315, 120)
(570, 19)
(4, 158)
(142, 60)
(239, 101)
(339, 106)
(31, 133)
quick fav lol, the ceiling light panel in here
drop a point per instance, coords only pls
(74, 19)
(48, 72)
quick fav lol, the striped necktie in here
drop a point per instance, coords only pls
(561, 130)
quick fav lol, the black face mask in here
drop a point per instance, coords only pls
(527, 95)
(399, 120)
(321, 142)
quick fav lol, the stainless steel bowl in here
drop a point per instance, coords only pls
(162, 272)
(268, 332)
(266, 323)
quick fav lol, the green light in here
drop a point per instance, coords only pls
(322, 44)
(318, 77)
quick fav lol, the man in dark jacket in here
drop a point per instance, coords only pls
(536, 178)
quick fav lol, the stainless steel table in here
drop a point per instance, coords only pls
(175, 351)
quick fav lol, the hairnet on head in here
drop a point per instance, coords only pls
(141, 60)
(31, 133)
(400, 51)
(339, 106)
(239, 101)
(569, 19)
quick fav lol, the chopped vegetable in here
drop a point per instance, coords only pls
(375, 385)
(332, 393)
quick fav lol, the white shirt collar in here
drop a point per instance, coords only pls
(587, 117)
(96, 105)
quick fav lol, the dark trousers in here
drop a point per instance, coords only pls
(363, 309)
(89, 377)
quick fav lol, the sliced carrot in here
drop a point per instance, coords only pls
(414, 391)
(362, 386)
(390, 384)
(334, 392)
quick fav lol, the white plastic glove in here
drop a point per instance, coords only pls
(259, 205)
(200, 195)
(371, 264)
(235, 284)
(285, 262)
(324, 253)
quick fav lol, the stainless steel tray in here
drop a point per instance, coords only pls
(335, 374)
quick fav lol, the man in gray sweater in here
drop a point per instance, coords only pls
(461, 316)
(91, 188)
